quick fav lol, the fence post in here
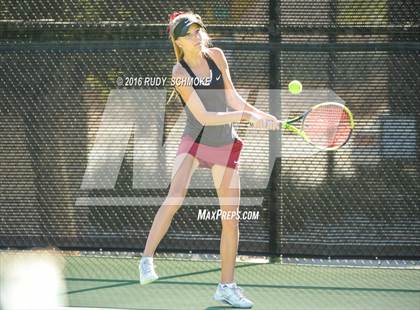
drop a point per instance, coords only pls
(275, 82)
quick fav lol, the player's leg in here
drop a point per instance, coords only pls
(227, 183)
(184, 167)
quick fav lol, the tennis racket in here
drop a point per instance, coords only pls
(327, 126)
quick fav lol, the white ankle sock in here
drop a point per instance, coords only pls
(228, 285)
(147, 258)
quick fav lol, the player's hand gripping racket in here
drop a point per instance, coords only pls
(327, 125)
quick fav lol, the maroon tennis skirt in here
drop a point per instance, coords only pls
(226, 155)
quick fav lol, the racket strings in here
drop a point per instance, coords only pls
(327, 126)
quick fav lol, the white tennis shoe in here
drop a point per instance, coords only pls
(147, 271)
(233, 296)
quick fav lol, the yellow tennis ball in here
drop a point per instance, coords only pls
(295, 87)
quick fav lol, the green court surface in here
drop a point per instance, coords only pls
(106, 282)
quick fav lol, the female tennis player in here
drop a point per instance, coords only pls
(203, 81)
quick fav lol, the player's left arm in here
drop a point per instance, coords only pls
(234, 99)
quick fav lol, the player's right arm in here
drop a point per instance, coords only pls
(195, 105)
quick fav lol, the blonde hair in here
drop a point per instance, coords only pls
(179, 53)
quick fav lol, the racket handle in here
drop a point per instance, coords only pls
(283, 124)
